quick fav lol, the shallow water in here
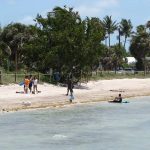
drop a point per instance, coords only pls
(100, 126)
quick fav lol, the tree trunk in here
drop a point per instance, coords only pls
(0, 77)
(115, 69)
(125, 40)
(145, 67)
(106, 41)
(109, 39)
(119, 40)
(16, 62)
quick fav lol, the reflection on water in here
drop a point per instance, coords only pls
(101, 126)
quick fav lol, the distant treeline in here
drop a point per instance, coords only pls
(66, 43)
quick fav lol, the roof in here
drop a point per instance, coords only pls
(131, 60)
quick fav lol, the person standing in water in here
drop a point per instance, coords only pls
(70, 89)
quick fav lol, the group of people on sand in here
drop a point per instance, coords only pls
(30, 84)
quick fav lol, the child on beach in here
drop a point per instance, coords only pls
(26, 84)
(35, 82)
(30, 84)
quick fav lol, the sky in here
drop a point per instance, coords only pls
(24, 11)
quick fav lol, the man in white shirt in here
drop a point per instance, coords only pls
(35, 82)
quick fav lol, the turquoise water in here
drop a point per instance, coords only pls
(101, 126)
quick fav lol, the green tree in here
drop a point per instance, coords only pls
(113, 57)
(67, 42)
(62, 32)
(95, 33)
(14, 36)
(110, 26)
(140, 47)
(118, 55)
(141, 29)
(33, 49)
(125, 29)
(148, 25)
(5, 53)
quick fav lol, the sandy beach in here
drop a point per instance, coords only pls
(54, 96)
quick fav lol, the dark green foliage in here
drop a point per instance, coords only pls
(140, 46)
(125, 29)
(110, 26)
(61, 41)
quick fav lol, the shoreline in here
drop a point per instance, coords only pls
(59, 106)
(54, 96)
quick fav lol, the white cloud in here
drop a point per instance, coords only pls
(96, 8)
(27, 20)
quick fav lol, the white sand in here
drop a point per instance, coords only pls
(54, 96)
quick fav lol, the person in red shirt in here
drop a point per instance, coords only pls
(26, 84)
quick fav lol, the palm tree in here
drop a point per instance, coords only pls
(125, 29)
(13, 36)
(141, 29)
(140, 46)
(109, 25)
(5, 51)
(148, 25)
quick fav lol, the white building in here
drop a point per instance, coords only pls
(131, 60)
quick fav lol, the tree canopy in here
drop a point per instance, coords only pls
(64, 42)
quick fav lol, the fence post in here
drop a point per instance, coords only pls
(0, 77)
(51, 73)
(39, 76)
(15, 77)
